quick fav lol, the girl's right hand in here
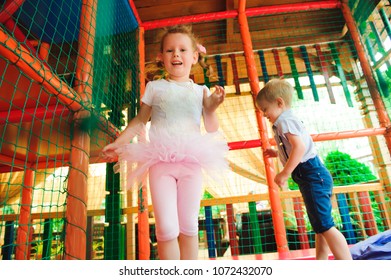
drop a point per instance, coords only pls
(270, 153)
(108, 152)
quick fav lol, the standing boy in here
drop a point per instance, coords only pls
(297, 153)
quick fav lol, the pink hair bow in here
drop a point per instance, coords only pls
(201, 49)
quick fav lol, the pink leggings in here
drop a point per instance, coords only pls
(176, 194)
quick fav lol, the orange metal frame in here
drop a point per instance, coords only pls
(78, 101)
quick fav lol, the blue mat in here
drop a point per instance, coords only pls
(377, 247)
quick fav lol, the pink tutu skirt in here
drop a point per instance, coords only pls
(208, 150)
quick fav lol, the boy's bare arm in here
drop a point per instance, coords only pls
(295, 156)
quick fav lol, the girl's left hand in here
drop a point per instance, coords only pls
(213, 101)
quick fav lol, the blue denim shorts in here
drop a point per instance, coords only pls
(316, 187)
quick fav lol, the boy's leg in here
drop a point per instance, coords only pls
(337, 244)
(322, 249)
(316, 187)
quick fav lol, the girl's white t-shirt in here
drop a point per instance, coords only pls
(176, 106)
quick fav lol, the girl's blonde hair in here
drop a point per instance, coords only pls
(155, 70)
(274, 89)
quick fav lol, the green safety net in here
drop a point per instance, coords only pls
(65, 74)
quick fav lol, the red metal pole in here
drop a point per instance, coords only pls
(301, 230)
(239, 145)
(349, 134)
(278, 63)
(149, 25)
(23, 235)
(367, 212)
(292, 8)
(367, 71)
(9, 8)
(76, 214)
(25, 229)
(269, 10)
(248, 144)
(46, 162)
(275, 202)
(44, 50)
(233, 242)
(18, 34)
(11, 161)
(28, 114)
(37, 71)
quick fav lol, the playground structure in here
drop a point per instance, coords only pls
(72, 76)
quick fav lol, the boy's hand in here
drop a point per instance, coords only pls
(270, 153)
(211, 102)
(281, 179)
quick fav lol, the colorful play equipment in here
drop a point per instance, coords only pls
(73, 75)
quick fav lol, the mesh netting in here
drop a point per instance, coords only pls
(72, 79)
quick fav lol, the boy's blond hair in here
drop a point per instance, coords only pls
(274, 89)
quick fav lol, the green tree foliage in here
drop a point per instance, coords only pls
(347, 171)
